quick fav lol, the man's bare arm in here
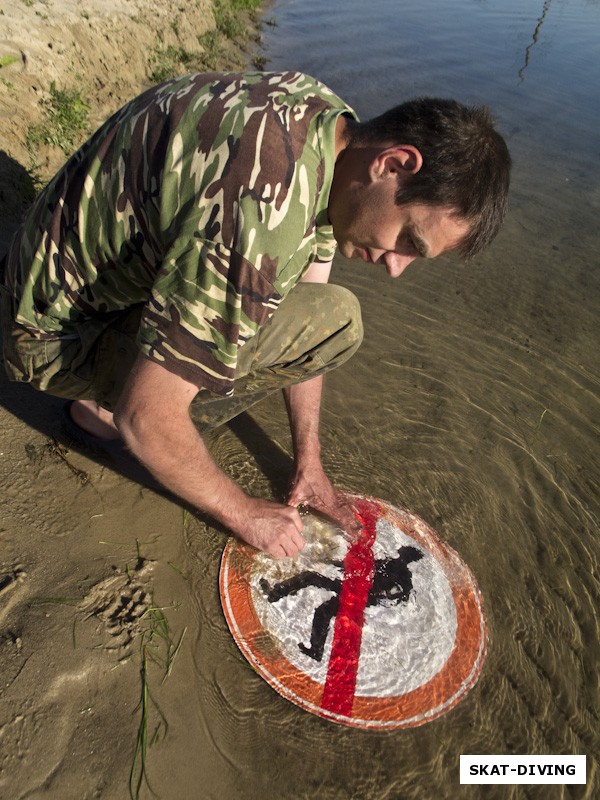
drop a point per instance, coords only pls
(317, 272)
(309, 484)
(153, 418)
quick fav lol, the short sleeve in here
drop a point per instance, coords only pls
(325, 244)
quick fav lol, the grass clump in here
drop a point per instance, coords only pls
(170, 62)
(229, 19)
(66, 120)
(6, 61)
(231, 29)
(213, 53)
(227, 22)
(156, 645)
(244, 5)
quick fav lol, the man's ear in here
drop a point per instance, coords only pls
(400, 159)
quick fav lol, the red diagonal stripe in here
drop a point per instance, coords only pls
(359, 567)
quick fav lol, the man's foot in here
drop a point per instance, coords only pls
(94, 419)
(93, 428)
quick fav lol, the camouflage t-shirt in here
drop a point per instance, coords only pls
(205, 199)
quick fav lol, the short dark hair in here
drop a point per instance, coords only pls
(466, 163)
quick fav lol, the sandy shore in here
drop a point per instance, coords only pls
(99, 575)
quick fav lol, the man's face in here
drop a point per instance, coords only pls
(368, 225)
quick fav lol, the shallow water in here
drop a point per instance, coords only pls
(473, 402)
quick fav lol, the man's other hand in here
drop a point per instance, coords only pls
(310, 486)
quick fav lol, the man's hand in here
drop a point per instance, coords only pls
(309, 485)
(271, 527)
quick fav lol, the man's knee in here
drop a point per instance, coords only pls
(340, 320)
(317, 327)
(349, 315)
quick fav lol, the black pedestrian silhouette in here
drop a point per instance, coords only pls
(392, 584)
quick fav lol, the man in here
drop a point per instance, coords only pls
(183, 255)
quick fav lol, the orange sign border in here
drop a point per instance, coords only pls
(429, 701)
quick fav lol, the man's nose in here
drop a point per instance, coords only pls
(396, 264)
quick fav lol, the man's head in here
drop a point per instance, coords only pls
(444, 167)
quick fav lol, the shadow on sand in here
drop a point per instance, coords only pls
(17, 191)
(43, 413)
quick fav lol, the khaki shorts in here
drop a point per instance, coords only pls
(315, 329)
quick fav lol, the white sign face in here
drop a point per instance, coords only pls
(383, 631)
(406, 639)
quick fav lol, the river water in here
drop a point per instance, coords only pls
(473, 402)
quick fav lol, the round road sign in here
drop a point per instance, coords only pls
(383, 631)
